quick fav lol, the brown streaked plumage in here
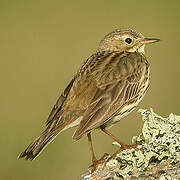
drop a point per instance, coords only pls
(108, 86)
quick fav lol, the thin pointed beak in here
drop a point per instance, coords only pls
(149, 40)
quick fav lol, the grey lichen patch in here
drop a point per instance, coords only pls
(158, 154)
(161, 136)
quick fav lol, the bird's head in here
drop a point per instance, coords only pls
(125, 40)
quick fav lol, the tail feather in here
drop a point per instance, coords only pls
(34, 149)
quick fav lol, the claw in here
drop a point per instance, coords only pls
(98, 163)
(133, 146)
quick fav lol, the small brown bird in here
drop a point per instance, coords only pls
(107, 87)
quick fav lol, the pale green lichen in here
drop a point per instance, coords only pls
(160, 144)
(161, 138)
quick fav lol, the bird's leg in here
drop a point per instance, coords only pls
(94, 160)
(123, 146)
(114, 138)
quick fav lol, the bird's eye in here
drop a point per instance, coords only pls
(128, 40)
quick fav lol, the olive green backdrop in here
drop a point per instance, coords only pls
(42, 44)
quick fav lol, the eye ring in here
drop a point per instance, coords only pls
(128, 40)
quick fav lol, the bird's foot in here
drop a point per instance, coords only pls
(97, 163)
(124, 146)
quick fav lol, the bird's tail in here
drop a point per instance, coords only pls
(34, 149)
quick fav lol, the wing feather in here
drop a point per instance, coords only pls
(112, 97)
(59, 103)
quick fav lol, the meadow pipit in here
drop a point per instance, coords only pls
(107, 87)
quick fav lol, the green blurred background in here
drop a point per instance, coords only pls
(42, 44)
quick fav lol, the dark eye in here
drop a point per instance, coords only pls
(128, 40)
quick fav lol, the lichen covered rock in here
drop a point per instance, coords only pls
(156, 158)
